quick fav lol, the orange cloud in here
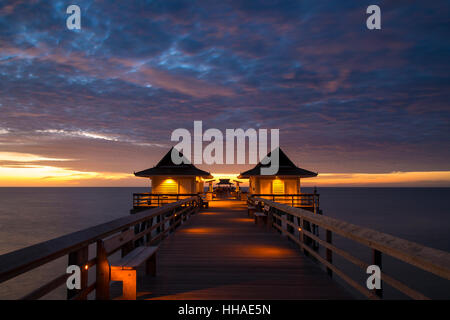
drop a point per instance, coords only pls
(24, 169)
(438, 178)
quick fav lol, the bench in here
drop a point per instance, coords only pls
(261, 218)
(125, 270)
(251, 208)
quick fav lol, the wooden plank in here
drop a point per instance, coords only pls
(130, 256)
(220, 254)
(139, 259)
(115, 242)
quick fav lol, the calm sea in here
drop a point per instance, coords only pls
(31, 215)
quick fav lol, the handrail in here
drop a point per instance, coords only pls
(20, 261)
(426, 258)
(148, 199)
(286, 194)
(302, 200)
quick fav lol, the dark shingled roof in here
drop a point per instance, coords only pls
(286, 168)
(166, 167)
(224, 181)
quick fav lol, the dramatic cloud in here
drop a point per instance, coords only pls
(106, 98)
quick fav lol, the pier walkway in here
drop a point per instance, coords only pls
(221, 254)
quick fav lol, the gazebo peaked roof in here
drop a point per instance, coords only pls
(166, 167)
(286, 168)
(224, 181)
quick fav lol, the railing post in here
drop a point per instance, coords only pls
(79, 258)
(329, 253)
(270, 218)
(300, 232)
(163, 229)
(102, 273)
(127, 247)
(158, 221)
(284, 224)
(314, 200)
(173, 221)
(377, 260)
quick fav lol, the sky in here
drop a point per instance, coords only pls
(89, 107)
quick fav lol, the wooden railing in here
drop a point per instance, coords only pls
(151, 226)
(157, 199)
(294, 223)
(301, 200)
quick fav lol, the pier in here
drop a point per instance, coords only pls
(220, 253)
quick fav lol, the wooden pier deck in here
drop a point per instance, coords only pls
(221, 254)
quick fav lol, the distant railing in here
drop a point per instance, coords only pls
(294, 223)
(301, 200)
(151, 226)
(158, 199)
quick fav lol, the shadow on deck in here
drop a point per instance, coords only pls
(221, 254)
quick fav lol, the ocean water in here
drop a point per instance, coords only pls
(32, 215)
(420, 215)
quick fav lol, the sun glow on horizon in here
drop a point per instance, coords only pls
(391, 178)
(25, 169)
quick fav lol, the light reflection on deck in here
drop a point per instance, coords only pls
(224, 255)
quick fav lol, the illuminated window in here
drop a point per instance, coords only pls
(168, 186)
(277, 186)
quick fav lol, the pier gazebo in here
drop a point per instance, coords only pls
(171, 182)
(284, 186)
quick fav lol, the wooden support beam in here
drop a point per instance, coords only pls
(329, 253)
(377, 260)
(79, 258)
(103, 273)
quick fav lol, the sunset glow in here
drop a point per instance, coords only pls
(24, 169)
(441, 178)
